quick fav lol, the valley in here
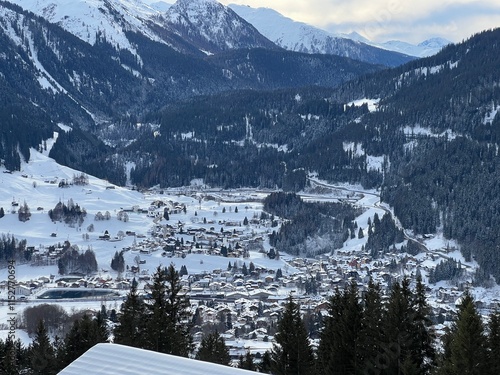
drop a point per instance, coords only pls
(177, 174)
(242, 282)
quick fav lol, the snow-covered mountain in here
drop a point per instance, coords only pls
(191, 26)
(160, 6)
(203, 24)
(87, 19)
(428, 47)
(301, 37)
(213, 27)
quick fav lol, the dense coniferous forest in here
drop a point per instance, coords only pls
(383, 235)
(250, 139)
(85, 86)
(310, 228)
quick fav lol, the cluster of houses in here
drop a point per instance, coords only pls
(248, 304)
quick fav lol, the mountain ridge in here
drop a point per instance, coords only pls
(301, 37)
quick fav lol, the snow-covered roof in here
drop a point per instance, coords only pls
(111, 359)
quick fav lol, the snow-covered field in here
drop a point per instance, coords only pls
(37, 186)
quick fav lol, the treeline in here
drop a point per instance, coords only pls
(83, 151)
(368, 336)
(72, 261)
(327, 224)
(13, 249)
(48, 357)
(447, 179)
(449, 269)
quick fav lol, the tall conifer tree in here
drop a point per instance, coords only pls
(372, 331)
(130, 328)
(213, 349)
(422, 349)
(340, 351)
(42, 354)
(84, 334)
(292, 352)
(168, 320)
(465, 345)
(494, 343)
(398, 328)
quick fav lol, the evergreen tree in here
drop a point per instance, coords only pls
(244, 269)
(422, 348)
(339, 351)
(167, 328)
(24, 212)
(84, 334)
(279, 274)
(494, 343)
(213, 349)
(292, 352)
(118, 262)
(265, 363)
(246, 362)
(398, 328)
(42, 354)
(179, 314)
(183, 271)
(465, 347)
(372, 330)
(157, 321)
(11, 357)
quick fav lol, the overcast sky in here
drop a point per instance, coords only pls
(383, 20)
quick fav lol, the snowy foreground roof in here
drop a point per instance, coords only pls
(114, 359)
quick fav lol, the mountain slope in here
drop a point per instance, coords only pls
(52, 76)
(438, 130)
(430, 144)
(87, 19)
(185, 26)
(300, 37)
(213, 27)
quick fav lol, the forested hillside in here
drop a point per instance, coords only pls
(266, 139)
(446, 175)
(433, 137)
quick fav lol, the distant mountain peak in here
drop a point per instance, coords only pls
(426, 48)
(301, 37)
(213, 27)
(436, 42)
